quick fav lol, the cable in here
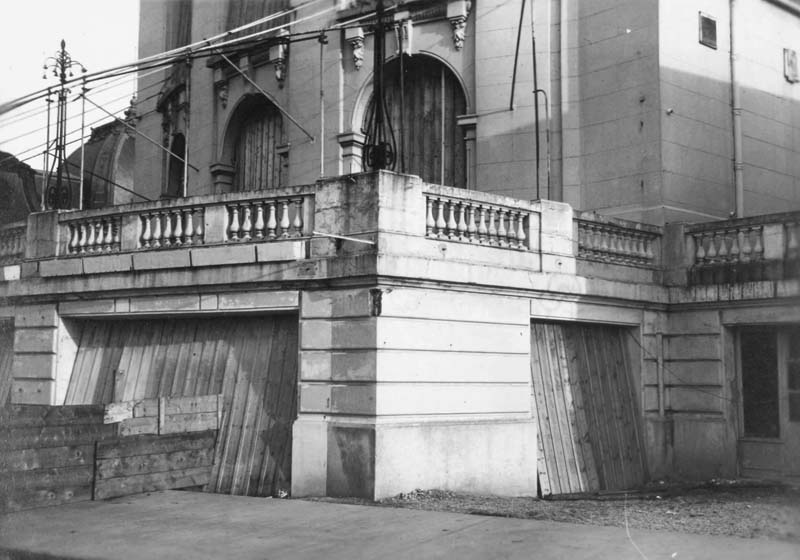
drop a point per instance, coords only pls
(109, 181)
(105, 87)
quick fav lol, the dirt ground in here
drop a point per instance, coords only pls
(719, 507)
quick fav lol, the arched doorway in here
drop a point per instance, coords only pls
(253, 146)
(424, 119)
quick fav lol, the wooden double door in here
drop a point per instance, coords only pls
(251, 361)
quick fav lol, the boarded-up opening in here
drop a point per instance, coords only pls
(251, 361)
(590, 436)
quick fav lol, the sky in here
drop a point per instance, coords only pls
(99, 34)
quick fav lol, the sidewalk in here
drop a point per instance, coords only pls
(178, 525)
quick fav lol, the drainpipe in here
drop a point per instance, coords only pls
(736, 113)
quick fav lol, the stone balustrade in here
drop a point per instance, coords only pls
(617, 241)
(202, 220)
(745, 249)
(172, 228)
(266, 219)
(95, 234)
(12, 243)
(465, 219)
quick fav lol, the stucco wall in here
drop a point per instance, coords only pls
(610, 105)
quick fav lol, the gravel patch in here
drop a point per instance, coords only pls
(732, 508)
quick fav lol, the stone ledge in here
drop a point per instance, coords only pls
(223, 255)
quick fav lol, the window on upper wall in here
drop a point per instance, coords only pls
(708, 30)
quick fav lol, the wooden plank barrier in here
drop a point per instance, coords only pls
(148, 463)
(166, 415)
(165, 443)
(47, 454)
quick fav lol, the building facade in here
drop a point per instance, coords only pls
(586, 300)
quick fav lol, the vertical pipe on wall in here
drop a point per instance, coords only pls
(736, 117)
(322, 41)
(660, 373)
(186, 110)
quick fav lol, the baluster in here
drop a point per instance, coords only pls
(260, 224)
(647, 245)
(502, 232)
(745, 243)
(792, 243)
(285, 218)
(199, 230)
(711, 253)
(430, 223)
(472, 229)
(272, 222)
(492, 233)
(297, 223)
(512, 229)
(90, 238)
(440, 223)
(115, 234)
(603, 244)
(521, 231)
(156, 229)
(188, 226)
(462, 221)
(233, 229)
(74, 237)
(147, 235)
(483, 231)
(722, 253)
(452, 226)
(758, 248)
(247, 224)
(167, 233)
(177, 231)
(109, 236)
(735, 250)
(700, 254)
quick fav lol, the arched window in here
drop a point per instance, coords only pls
(257, 136)
(429, 141)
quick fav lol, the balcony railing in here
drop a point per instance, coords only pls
(12, 243)
(614, 241)
(477, 218)
(747, 249)
(240, 218)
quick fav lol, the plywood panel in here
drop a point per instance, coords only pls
(590, 434)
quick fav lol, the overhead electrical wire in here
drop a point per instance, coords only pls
(14, 118)
(172, 55)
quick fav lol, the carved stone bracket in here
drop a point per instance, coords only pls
(355, 37)
(457, 13)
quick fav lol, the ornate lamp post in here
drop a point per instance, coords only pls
(60, 194)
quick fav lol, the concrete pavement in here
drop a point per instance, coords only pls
(189, 525)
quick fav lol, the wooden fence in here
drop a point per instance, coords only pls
(58, 455)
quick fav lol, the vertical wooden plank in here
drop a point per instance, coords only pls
(586, 384)
(167, 374)
(582, 423)
(80, 358)
(575, 449)
(105, 386)
(153, 385)
(6, 360)
(184, 344)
